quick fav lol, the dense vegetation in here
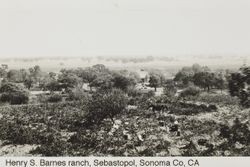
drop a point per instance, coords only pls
(199, 113)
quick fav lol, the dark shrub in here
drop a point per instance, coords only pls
(237, 133)
(212, 107)
(106, 105)
(238, 85)
(13, 94)
(190, 91)
(53, 147)
(54, 98)
(77, 94)
(132, 92)
(170, 89)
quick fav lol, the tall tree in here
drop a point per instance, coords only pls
(170, 88)
(204, 80)
(154, 81)
(3, 72)
(239, 85)
(96, 76)
(14, 76)
(124, 80)
(35, 73)
(28, 82)
(220, 82)
(24, 74)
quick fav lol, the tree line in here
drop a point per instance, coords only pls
(99, 77)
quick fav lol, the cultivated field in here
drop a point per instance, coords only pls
(96, 111)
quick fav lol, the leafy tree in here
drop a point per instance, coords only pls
(96, 76)
(170, 88)
(220, 82)
(35, 73)
(102, 81)
(12, 75)
(154, 81)
(204, 80)
(49, 82)
(24, 74)
(183, 77)
(123, 81)
(134, 76)
(239, 85)
(88, 75)
(236, 84)
(186, 74)
(28, 82)
(53, 85)
(196, 68)
(106, 104)
(159, 74)
(100, 68)
(17, 75)
(3, 72)
(68, 79)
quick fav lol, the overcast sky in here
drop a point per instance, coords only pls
(123, 27)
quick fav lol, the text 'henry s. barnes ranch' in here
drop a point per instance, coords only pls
(102, 163)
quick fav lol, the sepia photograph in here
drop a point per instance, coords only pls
(125, 78)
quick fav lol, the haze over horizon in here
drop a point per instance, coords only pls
(63, 28)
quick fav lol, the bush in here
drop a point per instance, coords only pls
(54, 98)
(77, 94)
(170, 89)
(149, 94)
(245, 98)
(145, 100)
(53, 147)
(237, 134)
(13, 94)
(15, 98)
(190, 91)
(134, 100)
(132, 92)
(52, 86)
(17, 132)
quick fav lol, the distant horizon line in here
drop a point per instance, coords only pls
(129, 56)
